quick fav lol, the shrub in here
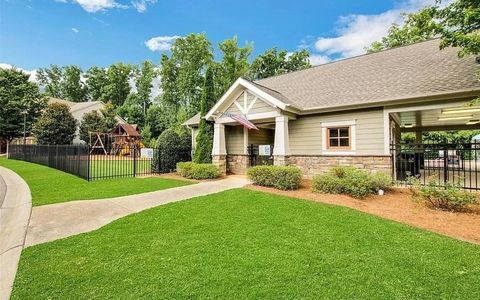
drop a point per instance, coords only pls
(450, 197)
(171, 149)
(197, 171)
(351, 181)
(279, 177)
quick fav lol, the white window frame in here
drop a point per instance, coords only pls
(352, 124)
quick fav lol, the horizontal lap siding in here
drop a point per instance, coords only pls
(234, 139)
(260, 106)
(261, 137)
(306, 132)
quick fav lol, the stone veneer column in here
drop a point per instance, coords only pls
(281, 147)
(219, 151)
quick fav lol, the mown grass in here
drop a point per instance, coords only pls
(50, 186)
(246, 244)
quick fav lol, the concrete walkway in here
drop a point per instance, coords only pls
(15, 208)
(51, 222)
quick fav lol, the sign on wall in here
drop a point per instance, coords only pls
(264, 150)
(146, 152)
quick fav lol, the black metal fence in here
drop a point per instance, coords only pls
(73, 159)
(91, 164)
(457, 164)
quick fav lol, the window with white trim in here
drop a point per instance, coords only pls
(338, 138)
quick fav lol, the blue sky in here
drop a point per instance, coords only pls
(37, 33)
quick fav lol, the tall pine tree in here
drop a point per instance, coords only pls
(203, 150)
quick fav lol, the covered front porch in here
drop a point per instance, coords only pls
(422, 149)
(236, 147)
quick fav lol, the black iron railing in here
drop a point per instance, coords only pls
(90, 164)
(441, 163)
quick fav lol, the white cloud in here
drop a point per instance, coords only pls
(75, 30)
(141, 5)
(161, 43)
(355, 32)
(93, 6)
(318, 59)
(32, 73)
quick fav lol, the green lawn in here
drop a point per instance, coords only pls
(248, 244)
(52, 186)
(103, 167)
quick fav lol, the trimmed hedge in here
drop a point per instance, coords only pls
(351, 181)
(197, 171)
(279, 177)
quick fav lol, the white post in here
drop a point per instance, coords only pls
(219, 139)
(245, 140)
(281, 145)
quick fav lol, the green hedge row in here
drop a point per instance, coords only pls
(197, 171)
(279, 177)
(351, 181)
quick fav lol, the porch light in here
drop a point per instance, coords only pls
(408, 125)
(460, 110)
(454, 118)
(473, 122)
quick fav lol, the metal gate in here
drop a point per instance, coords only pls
(256, 159)
(441, 163)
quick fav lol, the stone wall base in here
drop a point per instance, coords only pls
(318, 164)
(237, 164)
(221, 162)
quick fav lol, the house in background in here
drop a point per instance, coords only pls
(79, 109)
(346, 112)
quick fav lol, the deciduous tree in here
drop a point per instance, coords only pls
(18, 98)
(92, 122)
(274, 62)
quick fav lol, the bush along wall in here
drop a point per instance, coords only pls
(197, 171)
(279, 177)
(351, 181)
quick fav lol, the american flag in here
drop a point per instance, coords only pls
(242, 120)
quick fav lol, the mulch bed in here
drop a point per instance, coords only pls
(398, 205)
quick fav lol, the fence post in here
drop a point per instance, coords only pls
(134, 161)
(88, 163)
(445, 164)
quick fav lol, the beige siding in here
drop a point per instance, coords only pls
(261, 137)
(194, 137)
(306, 132)
(234, 139)
(260, 106)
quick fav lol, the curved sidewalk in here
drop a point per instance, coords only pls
(15, 209)
(56, 221)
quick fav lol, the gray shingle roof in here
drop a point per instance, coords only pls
(412, 71)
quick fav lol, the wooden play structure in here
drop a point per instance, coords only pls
(125, 138)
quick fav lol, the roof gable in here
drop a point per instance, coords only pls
(237, 89)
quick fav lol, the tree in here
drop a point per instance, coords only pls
(96, 80)
(147, 138)
(182, 74)
(418, 26)
(117, 88)
(460, 26)
(51, 80)
(159, 117)
(204, 141)
(72, 87)
(131, 110)
(91, 122)
(273, 62)
(110, 117)
(144, 85)
(17, 96)
(56, 126)
(234, 64)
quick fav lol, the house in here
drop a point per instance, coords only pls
(79, 109)
(345, 112)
